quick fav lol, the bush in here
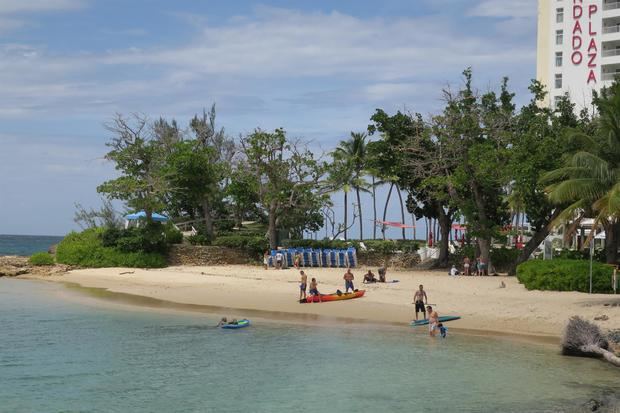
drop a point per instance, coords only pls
(224, 225)
(254, 245)
(502, 258)
(565, 275)
(148, 238)
(41, 258)
(172, 235)
(199, 239)
(86, 249)
(599, 254)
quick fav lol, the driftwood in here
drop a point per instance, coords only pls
(585, 339)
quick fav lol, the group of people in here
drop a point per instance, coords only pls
(480, 267)
(420, 299)
(314, 291)
(370, 278)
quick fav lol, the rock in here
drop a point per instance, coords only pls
(601, 318)
(13, 266)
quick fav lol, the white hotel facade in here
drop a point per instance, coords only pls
(578, 47)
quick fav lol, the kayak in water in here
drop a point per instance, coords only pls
(334, 297)
(441, 320)
(240, 324)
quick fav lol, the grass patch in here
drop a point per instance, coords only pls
(41, 258)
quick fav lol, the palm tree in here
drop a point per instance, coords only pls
(590, 177)
(353, 154)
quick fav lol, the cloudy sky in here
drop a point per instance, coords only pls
(316, 68)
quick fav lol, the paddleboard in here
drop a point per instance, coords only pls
(240, 324)
(441, 320)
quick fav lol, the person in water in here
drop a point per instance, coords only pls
(314, 289)
(348, 281)
(433, 321)
(303, 284)
(224, 321)
(420, 299)
(369, 277)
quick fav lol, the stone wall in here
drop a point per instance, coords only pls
(399, 260)
(184, 254)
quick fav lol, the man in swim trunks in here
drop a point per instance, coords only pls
(433, 321)
(279, 258)
(419, 299)
(314, 289)
(369, 277)
(302, 285)
(348, 281)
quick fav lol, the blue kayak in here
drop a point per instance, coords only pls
(240, 324)
(441, 320)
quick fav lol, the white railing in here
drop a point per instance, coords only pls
(611, 52)
(610, 76)
(611, 29)
(610, 5)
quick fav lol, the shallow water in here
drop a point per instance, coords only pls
(62, 356)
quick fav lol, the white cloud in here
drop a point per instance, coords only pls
(505, 8)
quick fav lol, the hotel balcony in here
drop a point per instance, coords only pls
(611, 28)
(611, 8)
(609, 72)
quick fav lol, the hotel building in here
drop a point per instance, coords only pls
(578, 47)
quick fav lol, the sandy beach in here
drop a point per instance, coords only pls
(482, 304)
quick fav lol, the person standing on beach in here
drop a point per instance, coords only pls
(314, 289)
(420, 299)
(266, 260)
(279, 258)
(466, 265)
(302, 285)
(348, 281)
(297, 261)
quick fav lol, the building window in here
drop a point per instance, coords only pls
(558, 80)
(558, 59)
(559, 37)
(556, 101)
(559, 15)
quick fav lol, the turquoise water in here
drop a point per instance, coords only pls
(62, 355)
(26, 244)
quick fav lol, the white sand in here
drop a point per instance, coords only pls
(480, 302)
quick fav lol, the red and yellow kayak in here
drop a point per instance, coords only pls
(335, 297)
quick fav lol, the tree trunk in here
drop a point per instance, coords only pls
(387, 202)
(612, 234)
(402, 210)
(359, 208)
(206, 211)
(374, 209)
(606, 354)
(538, 237)
(346, 214)
(273, 230)
(445, 225)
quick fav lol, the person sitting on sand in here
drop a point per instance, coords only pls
(382, 271)
(419, 299)
(369, 277)
(453, 271)
(433, 321)
(303, 283)
(348, 281)
(314, 289)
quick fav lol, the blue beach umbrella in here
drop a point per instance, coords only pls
(142, 215)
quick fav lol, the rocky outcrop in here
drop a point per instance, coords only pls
(399, 260)
(13, 266)
(198, 255)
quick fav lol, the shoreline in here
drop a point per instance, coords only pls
(486, 309)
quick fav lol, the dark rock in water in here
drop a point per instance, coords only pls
(614, 335)
(593, 405)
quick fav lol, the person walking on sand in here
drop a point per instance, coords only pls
(433, 321)
(348, 281)
(279, 258)
(420, 299)
(314, 289)
(478, 266)
(302, 285)
(466, 266)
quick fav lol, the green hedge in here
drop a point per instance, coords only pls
(87, 249)
(380, 246)
(41, 258)
(254, 245)
(565, 275)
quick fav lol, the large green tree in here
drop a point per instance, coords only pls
(289, 177)
(140, 161)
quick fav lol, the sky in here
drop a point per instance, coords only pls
(318, 69)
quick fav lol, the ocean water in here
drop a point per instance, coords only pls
(26, 244)
(60, 355)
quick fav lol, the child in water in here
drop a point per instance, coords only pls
(443, 331)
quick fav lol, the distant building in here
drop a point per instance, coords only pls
(578, 47)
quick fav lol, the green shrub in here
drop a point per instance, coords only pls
(199, 239)
(86, 249)
(599, 254)
(565, 275)
(254, 245)
(172, 235)
(503, 257)
(224, 225)
(148, 238)
(41, 258)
